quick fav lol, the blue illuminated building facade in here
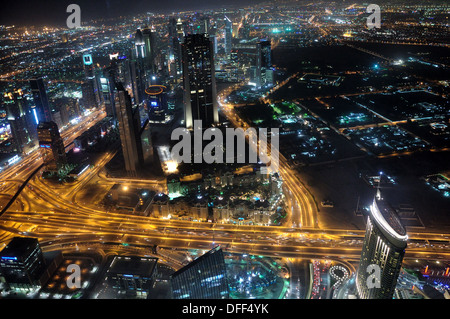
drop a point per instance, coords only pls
(156, 103)
(41, 109)
(204, 278)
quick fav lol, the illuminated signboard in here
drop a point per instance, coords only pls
(113, 56)
(87, 59)
(10, 258)
(35, 114)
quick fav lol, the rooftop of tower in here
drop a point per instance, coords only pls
(386, 217)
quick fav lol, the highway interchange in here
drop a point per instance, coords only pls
(61, 221)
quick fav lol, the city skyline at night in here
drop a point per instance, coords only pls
(237, 150)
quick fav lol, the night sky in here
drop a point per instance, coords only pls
(53, 12)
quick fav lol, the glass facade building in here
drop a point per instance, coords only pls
(22, 264)
(16, 112)
(228, 35)
(41, 107)
(204, 278)
(384, 246)
(127, 130)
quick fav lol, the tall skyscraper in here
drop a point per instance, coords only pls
(265, 53)
(383, 248)
(176, 34)
(176, 44)
(22, 264)
(41, 109)
(90, 86)
(204, 25)
(107, 88)
(128, 138)
(180, 30)
(204, 278)
(52, 146)
(137, 67)
(228, 35)
(172, 28)
(17, 118)
(139, 44)
(150, 44)
(199, 84)
(264, 67)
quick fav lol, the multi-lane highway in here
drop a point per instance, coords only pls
(301, 206)
(59, 220)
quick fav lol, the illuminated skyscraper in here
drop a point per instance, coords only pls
(204, 25)
(199, 84)
(107, 90)
(204, 278)
(22, 264)
(176, 36)
(41, 108)
(149, 37)
(52, 146)
(137, 68)
(127, 130)
(228, 35)
(89, 88)
(264, 67)
(180, 31)
(139, 44)
(265, 53)
(17, 118)
(384, 247)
